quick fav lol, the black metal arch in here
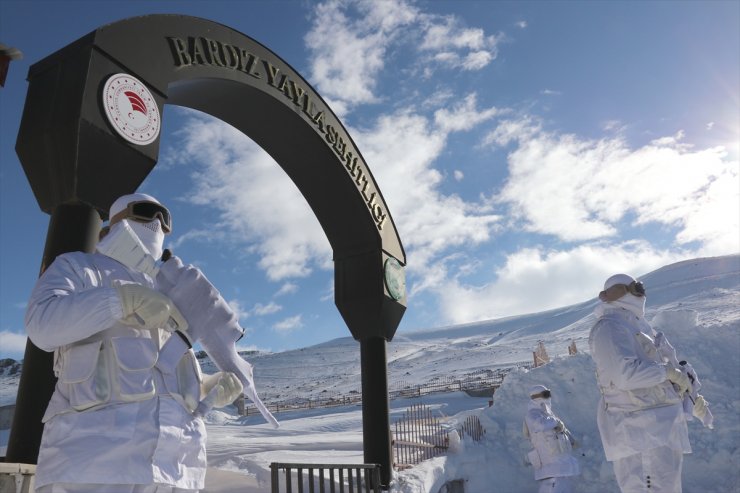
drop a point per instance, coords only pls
(78, 165)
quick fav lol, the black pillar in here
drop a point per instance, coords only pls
(72, 227)
(376, 428)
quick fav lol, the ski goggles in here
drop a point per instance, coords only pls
(615, 292)
(545, 394)
(144, 211)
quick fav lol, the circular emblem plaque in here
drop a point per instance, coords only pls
(395, 278)
(131, 109)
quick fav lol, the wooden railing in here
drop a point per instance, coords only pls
(325, 478)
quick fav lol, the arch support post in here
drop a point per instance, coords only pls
(372, 314)
(376, 430)
(72, 227)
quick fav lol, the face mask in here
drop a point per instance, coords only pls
(123, 244)
(635, 304)
(151, 236)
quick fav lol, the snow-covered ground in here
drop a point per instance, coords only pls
(696, 303)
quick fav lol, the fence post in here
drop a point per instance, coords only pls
(274, 478)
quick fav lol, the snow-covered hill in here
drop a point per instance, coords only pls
(696, 303)
(710, 287)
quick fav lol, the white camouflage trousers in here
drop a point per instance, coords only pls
(556, 485)
(654, 471)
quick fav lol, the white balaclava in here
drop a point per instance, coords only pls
(542, 402)
(635, 304)
(151, 234)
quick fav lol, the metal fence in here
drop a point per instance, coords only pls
(325, 478)
(296, 404)
(417, 436)
(484, 379)
(401, 389)
(472, 428)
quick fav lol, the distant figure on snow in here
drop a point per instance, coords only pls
(551, 457)
(641, 415)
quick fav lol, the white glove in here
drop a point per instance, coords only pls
(146, 308)
(221, 389)
(700, 407)
(678, 378)
(226, 386)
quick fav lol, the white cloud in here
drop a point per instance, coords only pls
(456, 46)
(507, 131)
(441, 33)
(534, 279)
(463, 116)
(349, 52)
(613, 126)
(439, 98)
(287, 288)
(201, 235)
(671, 141)
(521, 24)
(459, 175)
(578, 189)
(447, 58)
(477, 60)
(288, 325)
(260, 310)
(402, 149)
(12, 342)
(260, 209)
(350, 42)
(387, 15)
(472, 61)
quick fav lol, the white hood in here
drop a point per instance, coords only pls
(633, 304)
(541, 403)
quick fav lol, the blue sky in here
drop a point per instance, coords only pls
(526, 150)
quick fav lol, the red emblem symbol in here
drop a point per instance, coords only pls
(131, 109)
(137, 104)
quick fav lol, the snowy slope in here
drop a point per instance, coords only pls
(696, 303)
(708, 286)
